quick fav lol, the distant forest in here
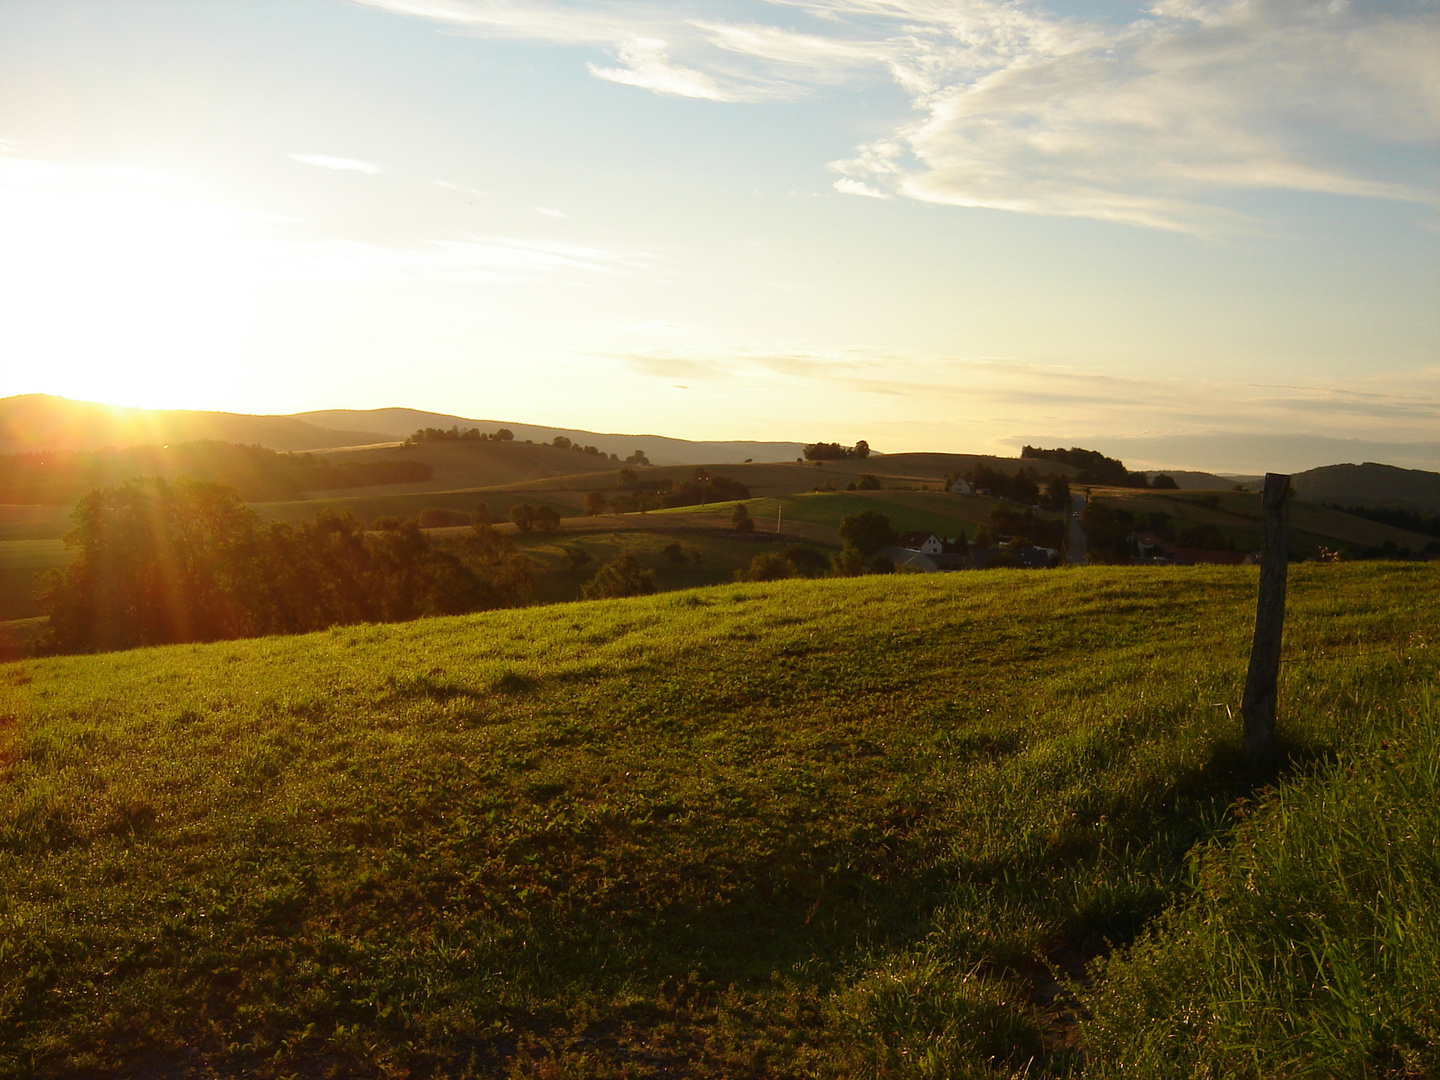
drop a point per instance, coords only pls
(158, 562)
(260, 475)
(1412, 520)
(1094, 467)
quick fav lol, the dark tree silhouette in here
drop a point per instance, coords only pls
(621, 576)
(867, 532)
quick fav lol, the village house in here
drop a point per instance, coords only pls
(923, 542)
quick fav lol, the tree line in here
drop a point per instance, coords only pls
(1093, 467)
(663, 492)
(158, 561)
(829, 451)
(455, 433)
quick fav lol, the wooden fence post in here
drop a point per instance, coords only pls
(1257, 707)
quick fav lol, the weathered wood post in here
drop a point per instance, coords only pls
(1257, 707)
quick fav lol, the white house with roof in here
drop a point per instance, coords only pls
(924, 542)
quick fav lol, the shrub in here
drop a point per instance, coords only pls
(621, 576)
(767, 566)
(806, 560)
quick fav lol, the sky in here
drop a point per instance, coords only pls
(1193, 233)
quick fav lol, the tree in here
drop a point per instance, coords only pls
(503, 435)
(824, 451)
(1204, 537)
(523, 516)
(676, 554)
(158, 562)
(868, 483)
(578, 557)
(767, 566)
(621, 576)
(545, 518)
(626, 477)
(847, 562)
(595, 503)
(740, 519)
(1057, 493)
(867, 532)
(561, 442)
(806, 560)
(154, 562)
(1164, 482)
(637, 458)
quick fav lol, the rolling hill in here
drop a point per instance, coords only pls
(37, 422)
(660, 449)
(1370, 484)
(802, 829)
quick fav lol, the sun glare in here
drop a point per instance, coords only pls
(123, 293)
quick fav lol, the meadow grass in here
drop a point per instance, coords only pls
(1238, 515)
(805, 828)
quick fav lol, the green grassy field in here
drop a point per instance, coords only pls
(710, 557)
(1237, 515)
(928, 511)
(810, 829)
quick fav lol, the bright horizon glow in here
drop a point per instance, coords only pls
(1167, 232)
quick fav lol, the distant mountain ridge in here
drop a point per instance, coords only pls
(39, 422)
(660, 449)
(1368, 484)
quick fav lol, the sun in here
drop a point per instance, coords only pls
(121, 292)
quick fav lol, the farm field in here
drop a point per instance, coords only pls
(807, 829)
(1237, 514)
(929, 511)
(707, 556)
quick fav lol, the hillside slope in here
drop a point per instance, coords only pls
(1370, 484)
(32, 422)
(822, 829)
(660, 449)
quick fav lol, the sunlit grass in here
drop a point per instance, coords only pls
(828, 828)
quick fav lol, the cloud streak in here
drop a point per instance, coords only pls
(1151, 118)
(340, 164)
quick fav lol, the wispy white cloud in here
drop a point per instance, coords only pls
(1148, 118)
(451, 186)
(647, 65)
(548, 212)
(848, 185)
(1012, 400)
(343, 164)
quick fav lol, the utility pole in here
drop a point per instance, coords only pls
(1257, 707)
